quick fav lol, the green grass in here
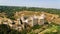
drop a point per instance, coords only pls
(5, 29)
(36, 27)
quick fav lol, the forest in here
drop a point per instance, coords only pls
(10, 10)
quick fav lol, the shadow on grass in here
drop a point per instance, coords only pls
(5, 29)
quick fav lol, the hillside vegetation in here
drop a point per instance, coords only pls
(12, 13)
(10, 10)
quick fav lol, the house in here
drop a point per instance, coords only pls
(1, 19)
(18, 21)
(30, 21)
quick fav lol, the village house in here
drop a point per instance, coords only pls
(26, 21)
(1, 19)
(35, 20)
(5, 21)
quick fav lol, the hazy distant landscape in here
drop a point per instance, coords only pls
(10, 10)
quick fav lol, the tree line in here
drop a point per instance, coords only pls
(10, 10)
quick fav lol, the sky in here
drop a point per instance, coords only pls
(32, 3)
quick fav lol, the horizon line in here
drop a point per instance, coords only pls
(29, 6)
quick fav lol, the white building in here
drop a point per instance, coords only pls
(35, 20)
(19, 22)
(41, 19)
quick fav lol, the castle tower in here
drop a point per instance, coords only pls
(41, 19)
(19, 22)
(35, 20)
(30, 21)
